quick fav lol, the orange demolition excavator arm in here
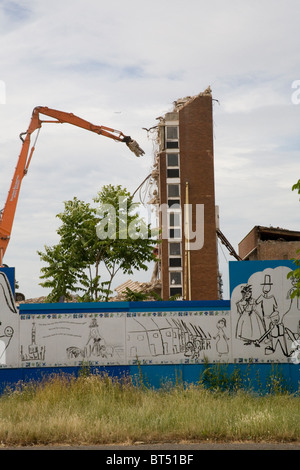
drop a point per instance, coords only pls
(8, 213)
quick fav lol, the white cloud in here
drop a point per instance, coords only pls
(122, 64)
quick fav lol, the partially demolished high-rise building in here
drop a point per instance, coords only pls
(185, 198)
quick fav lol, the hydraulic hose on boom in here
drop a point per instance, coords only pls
(8, 213)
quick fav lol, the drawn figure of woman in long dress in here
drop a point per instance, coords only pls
(222, 344)
(249, 326)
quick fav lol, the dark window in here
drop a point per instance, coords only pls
(173, 190)
(175, 291)
(174, 173)
(175, 262)
(172, 144)
(172, 132)
(174, 220)
(172, 159)
(175, 278)
(171, 136)
(175, 232)
(175, 249)
(175, 203)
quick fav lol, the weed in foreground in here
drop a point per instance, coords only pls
(96, 408)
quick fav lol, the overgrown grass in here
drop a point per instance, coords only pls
(95, 409)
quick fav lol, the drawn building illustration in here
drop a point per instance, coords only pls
(149, 338)
(153, 337)
(33, 350)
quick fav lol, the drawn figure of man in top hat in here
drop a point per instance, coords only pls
(267, 301)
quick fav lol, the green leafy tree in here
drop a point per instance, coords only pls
(295, 274)
(111, 235)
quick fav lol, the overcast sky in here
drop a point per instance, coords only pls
(122, 64)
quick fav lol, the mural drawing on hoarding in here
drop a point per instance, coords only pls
(261, 323)
(183, 337)
(9, 322)
(72, 339)
(222, 344)
(267, 320)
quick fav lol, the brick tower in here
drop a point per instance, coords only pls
(184, 172)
